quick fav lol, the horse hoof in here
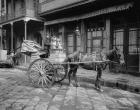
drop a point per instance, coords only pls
(101, 90)
(77, 85)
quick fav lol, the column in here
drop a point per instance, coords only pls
(83, 36)
(25, 37)
(25, 28)
(12, 49)
(63, 37)
(44, 36)
(1, 46)
(126, 45)
(26, 19)
(108, 34)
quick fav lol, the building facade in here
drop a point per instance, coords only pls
(91, 25)
(19, 21)
(88, 25)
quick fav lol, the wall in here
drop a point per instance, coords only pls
(9, 11)
(19, 10)
(30, 11)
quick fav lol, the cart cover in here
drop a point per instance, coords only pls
(30, 46)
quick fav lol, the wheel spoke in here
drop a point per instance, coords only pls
(45, 81)
(36, 68)
(41, 73)
(48, 79)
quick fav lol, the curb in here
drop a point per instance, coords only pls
(113, 84)
(107, 83)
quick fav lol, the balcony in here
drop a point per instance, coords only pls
(56, 4)
(17, 14)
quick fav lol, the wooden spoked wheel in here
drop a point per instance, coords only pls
(60, 72)
(41, 73)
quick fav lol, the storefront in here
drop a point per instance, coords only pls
(104, 29)
(126, 36)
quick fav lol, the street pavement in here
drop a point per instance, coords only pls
(16, 93)
(109, 79)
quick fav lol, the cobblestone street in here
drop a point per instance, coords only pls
(17, 94)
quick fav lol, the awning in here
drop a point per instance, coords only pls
(112, 9)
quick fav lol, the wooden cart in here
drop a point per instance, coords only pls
(43, 72)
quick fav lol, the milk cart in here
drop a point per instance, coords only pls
(43, 72)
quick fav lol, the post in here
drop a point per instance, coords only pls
(63, 37)
(12, 37)
(44, 36)
(25, 32)
(25, 36)
(25, 27)
(83, 37)
(108, 34)
(1, 46)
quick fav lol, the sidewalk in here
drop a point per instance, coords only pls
(114, 80)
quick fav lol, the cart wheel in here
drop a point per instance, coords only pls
(60, 73)
(41, 73)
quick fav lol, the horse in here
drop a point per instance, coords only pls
(108, 56)
(74, 57)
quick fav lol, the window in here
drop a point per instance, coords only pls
(89, 36)
(94, 39)
(78, 42)
(70, 43)
(118, 39)
(134, 41)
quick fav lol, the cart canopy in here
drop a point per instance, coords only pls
(30, 46)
